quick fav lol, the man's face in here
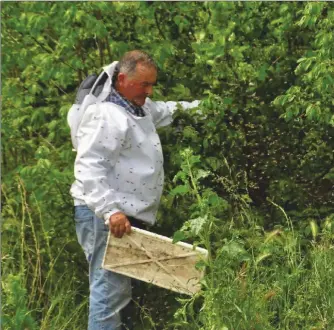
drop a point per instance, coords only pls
(136, 87)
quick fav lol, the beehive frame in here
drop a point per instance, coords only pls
(155, 259)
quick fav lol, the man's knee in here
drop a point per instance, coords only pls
(109, 294)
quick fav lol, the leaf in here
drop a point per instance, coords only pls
(178, 236)
(263, 73)
(200, 265)
(314, 228)
(236, 251)
(262, 257)
(180, 190)
(330, 174)
(215, 200)
(197, 224)
(202, 174)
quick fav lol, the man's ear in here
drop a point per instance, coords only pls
(121, 77)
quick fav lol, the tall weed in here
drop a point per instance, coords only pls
(255, 279)
(39, 292)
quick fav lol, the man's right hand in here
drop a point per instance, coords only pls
(119, 224)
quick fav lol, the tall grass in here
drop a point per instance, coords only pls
(38, 291)
(255, 279)
(258, 279)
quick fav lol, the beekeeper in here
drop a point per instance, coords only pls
(118, 171)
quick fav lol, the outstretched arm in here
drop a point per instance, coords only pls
(162, 111)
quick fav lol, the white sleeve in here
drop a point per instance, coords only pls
(162, 112)
(99, 145)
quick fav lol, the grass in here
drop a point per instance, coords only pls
(266, 280)
(258, 279)
(35, 294)
(255, 279)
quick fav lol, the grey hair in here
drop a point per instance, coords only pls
(129, 61)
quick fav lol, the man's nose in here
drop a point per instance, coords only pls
(149, 90)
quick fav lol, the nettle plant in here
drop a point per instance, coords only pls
(204, 202)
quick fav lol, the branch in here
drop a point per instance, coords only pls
(108, 49)
(158, 25)
(51, 52)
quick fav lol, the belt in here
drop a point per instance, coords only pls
(138, 223)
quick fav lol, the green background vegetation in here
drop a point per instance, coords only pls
(249, 177)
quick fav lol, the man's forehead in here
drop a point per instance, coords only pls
(145, 72)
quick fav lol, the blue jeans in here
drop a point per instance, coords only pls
(109, 292)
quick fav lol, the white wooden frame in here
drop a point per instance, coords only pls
(155, 259)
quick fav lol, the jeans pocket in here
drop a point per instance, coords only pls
(83, 214)
(84, 226)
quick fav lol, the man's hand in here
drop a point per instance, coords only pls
(119, 224)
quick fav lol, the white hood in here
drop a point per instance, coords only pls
(77, 111)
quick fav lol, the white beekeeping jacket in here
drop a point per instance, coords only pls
(119, 162)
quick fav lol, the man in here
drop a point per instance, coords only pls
(118, 174)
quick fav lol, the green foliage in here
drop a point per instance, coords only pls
(249, 174)
(46, 290)
(256, 279)
(16, 300)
